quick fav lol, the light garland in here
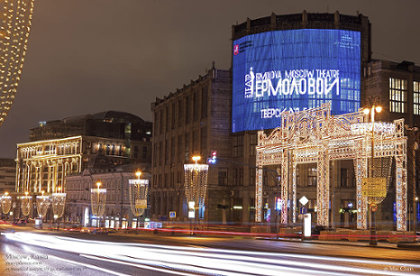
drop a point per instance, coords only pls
(15, 27)
(58, 204)
(315, 136)
(98, 200)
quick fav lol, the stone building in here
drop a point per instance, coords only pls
(67, 147)
(7, 175)
(392, 85)
(117, 206)
(194, 120)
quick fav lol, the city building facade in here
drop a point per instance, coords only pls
(117, 212)
(7, 175)
(192, 121)
(104, 141)
(391, 85)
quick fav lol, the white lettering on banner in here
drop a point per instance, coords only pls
(267, 113)
(299, 82)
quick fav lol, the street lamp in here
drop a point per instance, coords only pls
(98, 200)
(42, 204)
(373, 205)
(26, 204)
(195, 186)
(138, 190)
(6, 203)
(58, 204)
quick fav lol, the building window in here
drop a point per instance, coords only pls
(180, 113)
(344, 179)
(222, 177)
(195, 106)
(187, 110)
(204, 102)
(238, 146)
(312, 176)
(416, 97)
(252, 144)
(397, 95)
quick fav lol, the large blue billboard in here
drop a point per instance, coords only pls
(293, 70)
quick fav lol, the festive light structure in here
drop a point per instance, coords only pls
(42, 204)
(98, 200)
(15, 25)
(138, 189)
(315, 136)
(26, 204)
(6, 203)
(58, 203)
(196, 183)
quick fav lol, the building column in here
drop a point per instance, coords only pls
(401, 191)
(294, 189)
(360, 170)
(258, 194)
(323, 187)
(284, 186)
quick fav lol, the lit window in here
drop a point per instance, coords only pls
(416, 97)
(397, 95)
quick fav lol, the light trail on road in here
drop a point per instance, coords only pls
(184, 260)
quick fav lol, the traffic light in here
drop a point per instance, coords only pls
(213, 158)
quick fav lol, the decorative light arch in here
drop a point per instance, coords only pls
(316, 136)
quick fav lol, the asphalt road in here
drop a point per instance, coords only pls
(28, 253)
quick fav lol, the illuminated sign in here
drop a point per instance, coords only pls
(293, 70)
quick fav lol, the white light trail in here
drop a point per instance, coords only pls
(192, 261)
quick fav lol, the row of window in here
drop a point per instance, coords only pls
(191, 107)
(398, 96)
(181, 148)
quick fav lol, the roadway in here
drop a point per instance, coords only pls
(49, 253)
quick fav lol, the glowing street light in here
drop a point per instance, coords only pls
(98, 200)
(195, 186)
(6, 203)
(26, 204)
(373, 205)
(58, 204)
(138, 191)
(42, 204)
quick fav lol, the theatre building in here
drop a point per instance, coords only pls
(285, 63)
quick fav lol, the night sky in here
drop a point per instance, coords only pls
(88, 56)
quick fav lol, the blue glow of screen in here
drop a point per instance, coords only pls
(293, 70)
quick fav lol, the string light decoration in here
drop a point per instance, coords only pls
(138, 190)
(315, 136)
(26, 204)
(15, 26)
(98, 200)
(58, 203)
(195, 183)
(42, 204)
(6, 203)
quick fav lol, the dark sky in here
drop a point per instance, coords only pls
(88, 56)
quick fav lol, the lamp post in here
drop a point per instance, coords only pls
(26, 204)
(138, 190)
(195, 187)
(6, 203)
(98, 200)
(373, 206)
(58, 204)
(42, 204)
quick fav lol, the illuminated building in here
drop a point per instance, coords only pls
(299, 61)
(67, 147)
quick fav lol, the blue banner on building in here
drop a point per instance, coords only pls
(293, 70)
